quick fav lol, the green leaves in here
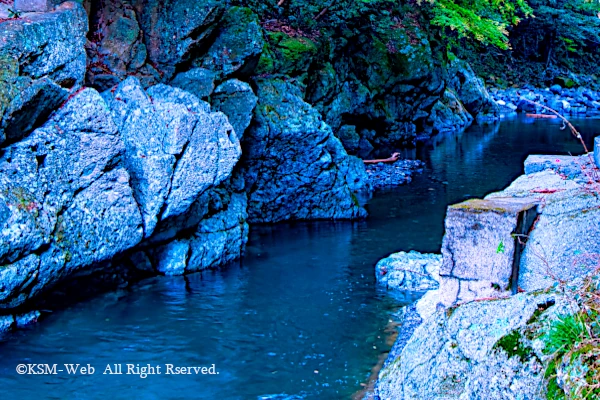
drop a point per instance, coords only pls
(486, 21)
(501, 248)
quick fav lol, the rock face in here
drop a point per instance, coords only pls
(294, 167)
(175, 148)
(385, 80)
(495, 349)
(409, 271)
(198, 81)
(215, 232)
(238, 44)
(97, 178)
(481, 247)
(66, 199)
(384, 85)
(140, 38)
(192, 43)
(235, 99)
(567, 230)
(480, 350)
(43, 61)
(471, 91)
(448, 114)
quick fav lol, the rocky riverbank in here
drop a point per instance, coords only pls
(146, 139)
(398, 173)
(575, 102)
(476, 338)
(145, 176)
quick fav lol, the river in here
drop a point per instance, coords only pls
(300, 314)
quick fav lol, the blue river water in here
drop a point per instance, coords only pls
(300, 314)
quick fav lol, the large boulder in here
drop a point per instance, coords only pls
(409, 271)
(198, 81)
(471, 91)
(235, 99)
(43, 60)
(66, 199)
(479, 350)
(175, 148)
(482, 246)
(448, 114)
(294, 167)
(219, 237)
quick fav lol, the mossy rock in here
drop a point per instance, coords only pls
(287, 55)
(513, 344)
(9, 71)
(238, 45)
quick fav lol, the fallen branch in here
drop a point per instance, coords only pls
(319, 15)
(541, 116)
(392, 159)
(566, 121)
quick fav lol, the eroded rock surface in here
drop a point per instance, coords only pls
(67, 199)
(479, 350)
(567, 231)
(481, 247)
(294, 167)
(409, 271)
(175, 148)
(43, 60)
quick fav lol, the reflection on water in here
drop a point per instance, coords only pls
(301, 313)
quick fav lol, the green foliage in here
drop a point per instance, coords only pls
(501, 248)
(484, 20)
(572, 343)
(565, 333)
(553, 391)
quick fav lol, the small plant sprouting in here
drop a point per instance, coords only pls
(565, 333)
(501, 248)
(13, 14)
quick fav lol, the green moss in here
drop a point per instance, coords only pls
(295, 49)
(283, 54)
(266, 64)
(513, 345)
(478, 207)
(9, 71)
(553, 391)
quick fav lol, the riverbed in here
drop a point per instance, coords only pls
(300, 314)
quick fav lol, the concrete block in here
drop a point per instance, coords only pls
(481, 248)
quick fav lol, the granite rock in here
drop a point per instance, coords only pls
(409, 271)
(43, 59)
(293, 165)
(235, 99)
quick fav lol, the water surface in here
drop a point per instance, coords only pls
(300, 314)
